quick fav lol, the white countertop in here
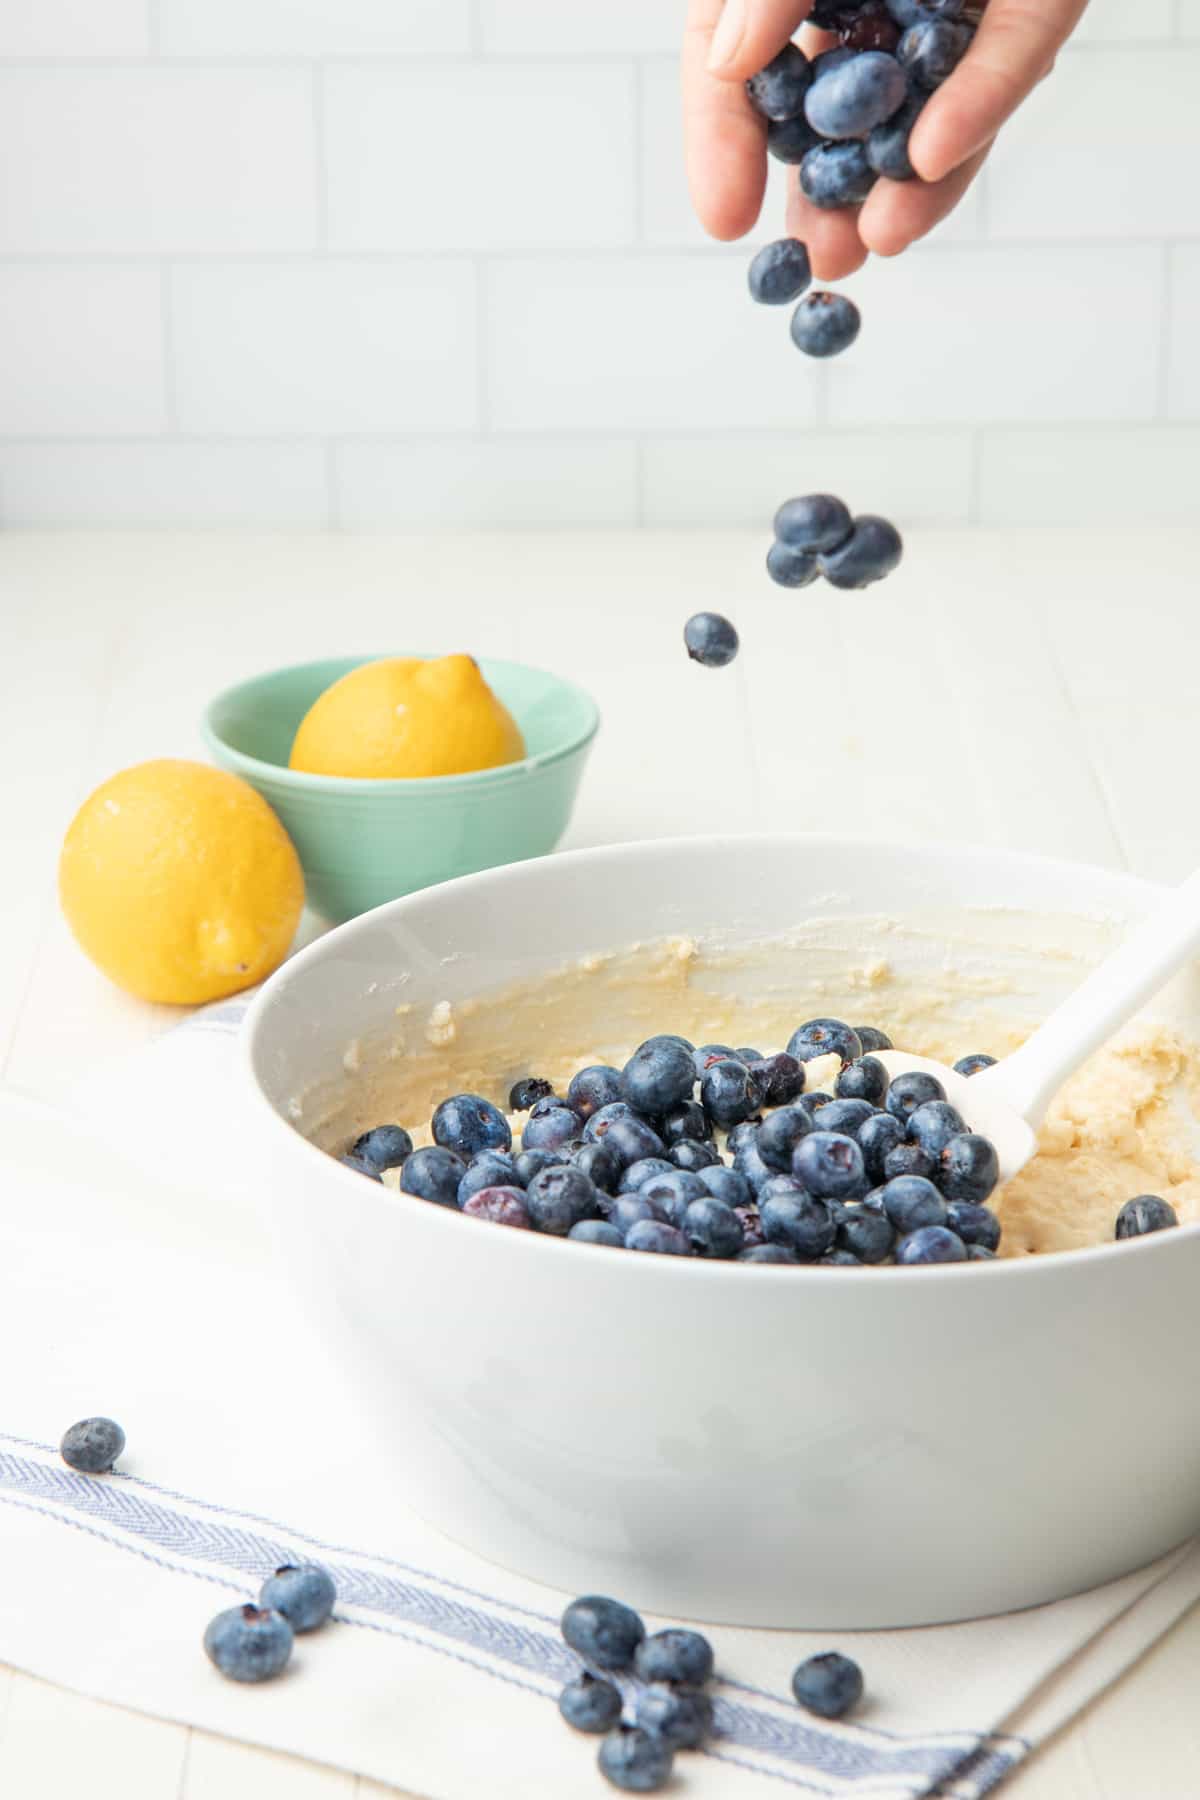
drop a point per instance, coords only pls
(1034, 689)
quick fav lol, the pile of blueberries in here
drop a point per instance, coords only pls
(875, 1172)
(816, 535)
(672, 1710)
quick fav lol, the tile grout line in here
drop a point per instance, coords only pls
(1085, 743)
(483, 399)
(639, 467)
(1166, 332)
(154, 30)
(974, 490)
(185, 1765)
(320, 162)
(333, 486)
(639, 154)
(475, 28)
(167, 327)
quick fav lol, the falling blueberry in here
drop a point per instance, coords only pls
(711, 640)
(813, 522)
(873, 549)
(780, 272)
(792, 568)
(825, 324)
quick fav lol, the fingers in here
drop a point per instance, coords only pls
(835, 248)
(725, 140)
(749, 33)
(897, 213)
(1016, 42)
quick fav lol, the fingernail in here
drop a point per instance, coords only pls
(728, 35)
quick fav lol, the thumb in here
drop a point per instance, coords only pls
(750, 32)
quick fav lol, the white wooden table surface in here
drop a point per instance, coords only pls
(1043, 687)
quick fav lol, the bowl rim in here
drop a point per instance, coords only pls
(1072, 1263)
(300, 780)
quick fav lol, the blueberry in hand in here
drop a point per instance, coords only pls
(887, 145)
(637, 1761)
(866, 1079)
(972, 1065)
(828, 1685)
(502, 1205)
(836, 175)
(825, 1037)
(934, 1124)
(825, 324)
(974, 1224)
(383, 1147)
(602, 1631)
(780, 272)
(1147, 1213)
(592, 1088)
(777, 92)
(911, 1090)
(813, 522)
(710, 639)
(849, 100)
(932, 50)
(553, 1129)
(491, 1168)
(911, 1202)
(931, 1244)
(969, 1168)
(790, 140)
(559, 1198)
(303, 1592)
(829, 1165)
(873, 549)
(92, 1445)
(791, 568)
(730, 1093)
(675, 1655)
(681, 1716)
(590, 1703)
(712, 1228)
(249, 1643)
(433, 1174)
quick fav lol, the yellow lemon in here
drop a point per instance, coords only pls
(407, 717)
(180, 883)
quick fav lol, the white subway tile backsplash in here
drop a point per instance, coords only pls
(560, 28)
(81, 351)
(1106, 20)
(1189, 18)
(488, 483)
(1096, 477)
(76, 28)
(1183, 347)
(155, 159)
(640, 343)
(914, 477)
(1061, 170)
(1006, 334)
(460, 156)
(339, 346)
(163, 484)
(314, 27)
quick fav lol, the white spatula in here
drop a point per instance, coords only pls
(1008, 1102)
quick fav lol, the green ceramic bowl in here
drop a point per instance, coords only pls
(364, 842)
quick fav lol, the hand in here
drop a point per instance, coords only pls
(726, 43)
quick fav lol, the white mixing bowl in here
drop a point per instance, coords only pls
(759, 1445)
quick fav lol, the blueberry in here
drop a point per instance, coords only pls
(911, 12)
(780, 272)
(628, 1210)
(887, 145)
(829, 1684)
(384, 1146)
(792, 1217)
(600, 1164)
(675, 1655)
(752, 1231)
(686, 1121)
(711, 640)
(868, 1235)
(846, 1116)
(712, 1228)
(911, 1090)
(829, 1165)
(749, 1056)
(559, 1198)
(910, 1159)
(872, 551)
(931, 1244)
(745, 1133)
(872, 1200)
(639, 1173)
(932, 50)
(813, 522)
(829, 60)
(973, 1224)
(669, 1037)
(825, 1037)
(836, 175)
(694, 1154)
(841, 1259)
(791, 568)
(706, 1055)
(934, 1124)
(552, 1129)
(680, 1716)
(979, 1253)
(780, 1078)
(658, 1077)
(528, 1163)
(360, 1167)
(92, 1445)
(727, 1185)
(467, 1123)
(602, 1631)
(912, 1202)
(433, 1174)
(500, 1206)
(663, 1240)
(778, 91)
(790, 140)
(1137, 1217)
(850, 100)
(674, 1193)
(866, 1079)
(597, 1231)
(592, 1088)
(749, 1164)
(590, 1703)
(778, 1136)
(880, 1133)
(491, 1168)
(768, 1253)
(303, 1592)
(815, 1102)
(730, 1093)
(825, 324)
(637, 1761)
(971, 1065)
(872, 1039)
(631, 1140)
(969, 1169)
(527, 1092)
(604, 1116)
(868, 26)
(249, 1643)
